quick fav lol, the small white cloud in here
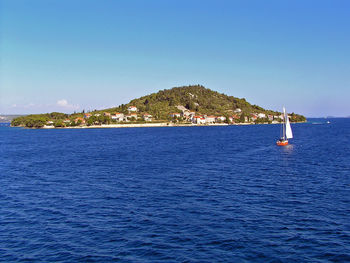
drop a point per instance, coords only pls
(64, 104)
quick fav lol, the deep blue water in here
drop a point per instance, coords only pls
(185, 194)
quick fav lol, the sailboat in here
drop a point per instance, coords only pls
(286, 130)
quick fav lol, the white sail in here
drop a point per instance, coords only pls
(289, 133)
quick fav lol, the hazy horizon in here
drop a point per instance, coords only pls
(68, 56)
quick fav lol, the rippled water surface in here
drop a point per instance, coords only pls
(185, 194)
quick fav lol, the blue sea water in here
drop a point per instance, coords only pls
(177, 194)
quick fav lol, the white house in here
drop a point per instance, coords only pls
(210, 119)
(198, 120)
(261, 115)
(147, 117)
(130, 117)
(132, 109)
(118, 116)
(238, 110)
(133, 115)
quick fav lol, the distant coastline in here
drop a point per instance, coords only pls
(7, 118)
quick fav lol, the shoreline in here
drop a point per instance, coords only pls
(134, 125)
(150, 125)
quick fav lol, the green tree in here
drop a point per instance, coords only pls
(242, 118)
(90, 121)
(58, 123)
(37, 122)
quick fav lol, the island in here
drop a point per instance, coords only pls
(180, 106)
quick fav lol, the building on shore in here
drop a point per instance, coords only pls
(147, 117)
(132, 109)
(198, 120)
(210, 119)
(253, 117)
(117, 116)
(130, 117)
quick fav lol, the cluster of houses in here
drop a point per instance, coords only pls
(119, 117)
(185, 115)
(235, 117)
(191, 116)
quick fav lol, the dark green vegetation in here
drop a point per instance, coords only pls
(195, 98)
(38, 120)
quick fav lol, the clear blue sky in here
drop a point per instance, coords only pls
(64, 55)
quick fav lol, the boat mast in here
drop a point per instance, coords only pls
(284, 123)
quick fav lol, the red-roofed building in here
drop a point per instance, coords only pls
(147, 117)
(87, 115)
(253, 117)
(132, 109)
(198, 120)
(210, 119)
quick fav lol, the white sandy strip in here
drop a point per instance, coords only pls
(134, 125)
(141, 125)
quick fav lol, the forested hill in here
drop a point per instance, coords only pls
(195, 98)
(162, 105)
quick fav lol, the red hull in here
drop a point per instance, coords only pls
(282, 143)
